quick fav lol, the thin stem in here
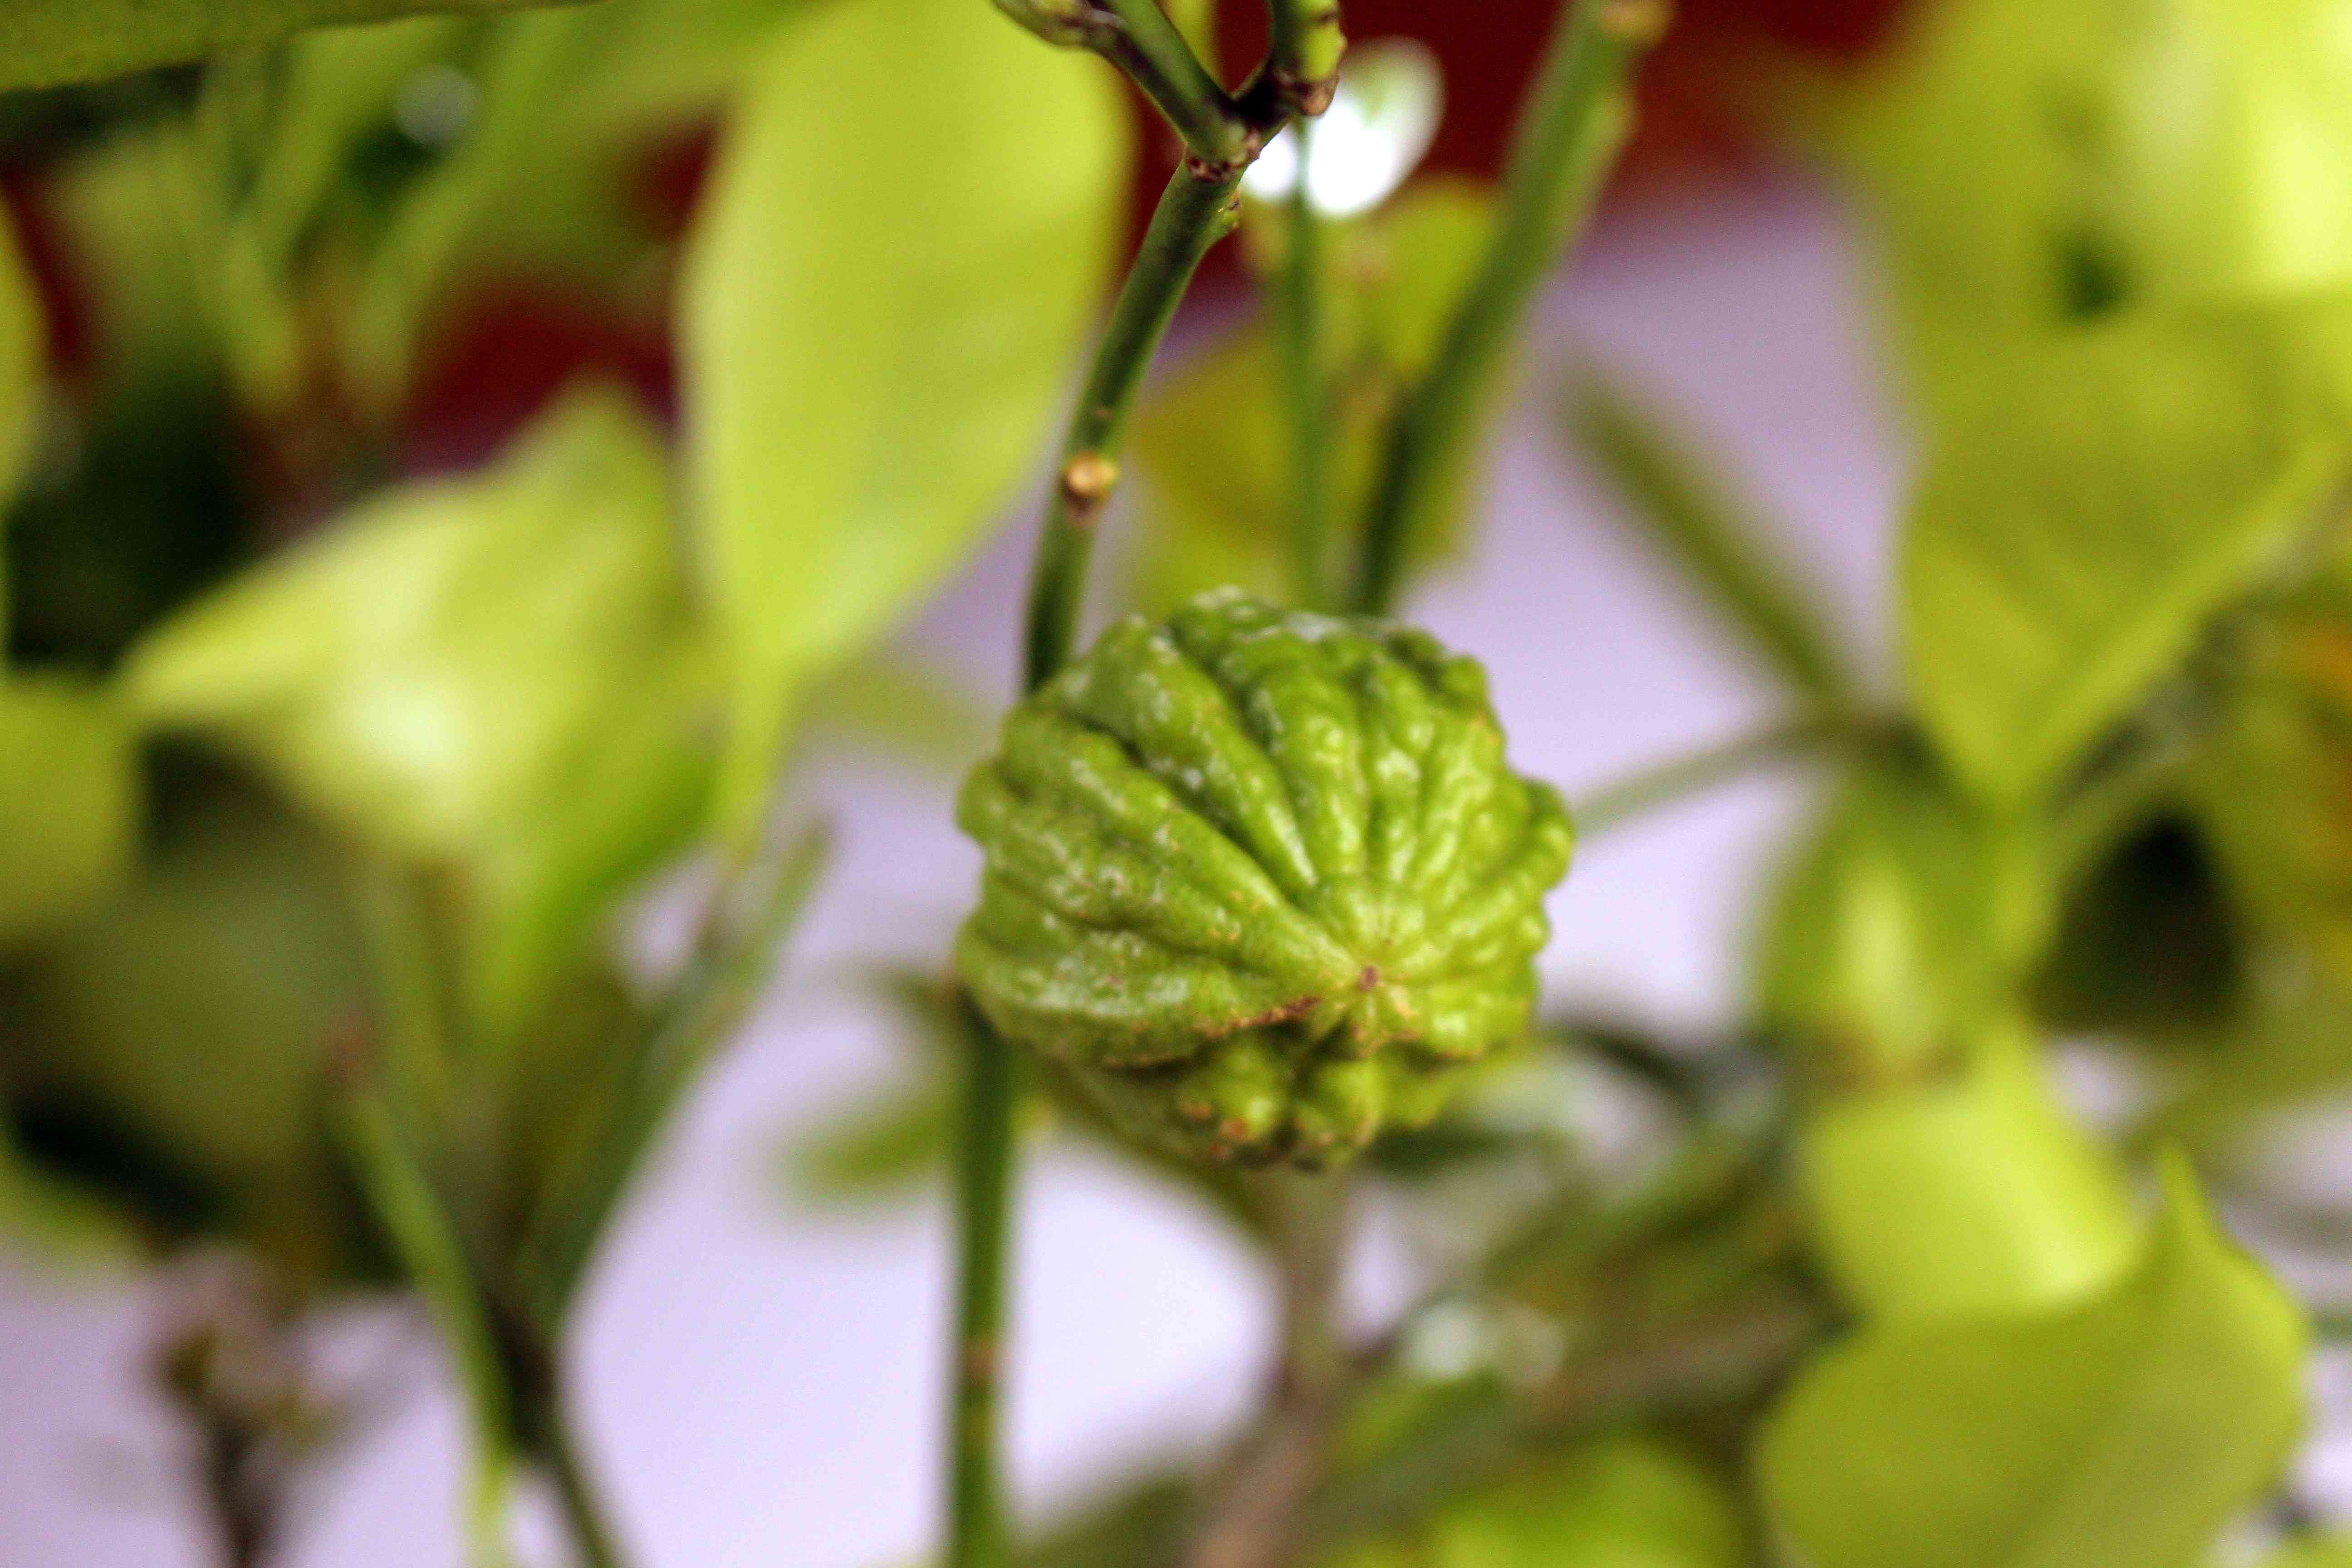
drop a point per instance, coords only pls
(1297, 307)
(749, 918)
(1138, 38)
(1303, 51)
(976, 1528)
(575, 1494)
(1578, 120)
(1195, 211)
(1309, 1216)
(1668, 783)
(1247, 1522)
(424, 1237)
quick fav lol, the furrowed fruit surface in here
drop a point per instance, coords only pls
(1261, 880)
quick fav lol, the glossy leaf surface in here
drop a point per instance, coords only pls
(904, 239)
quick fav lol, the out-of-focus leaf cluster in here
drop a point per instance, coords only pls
(328, 785)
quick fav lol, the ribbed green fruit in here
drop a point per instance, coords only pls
(1261, 881)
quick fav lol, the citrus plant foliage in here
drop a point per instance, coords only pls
(463, 460)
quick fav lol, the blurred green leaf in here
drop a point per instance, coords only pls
(68, 801)
(2273, 785)
(1208, 439)
(1722, 551)
(2151, 152)
(169, 1051)
(24, 376)
(2123, 1432)
(2100, 499)
(496, 672)
(1898, 929)
(1634, 1502)
(1978, 1195)
(356, 178)
(267, 153)
(2316, 1552)
(136, 504)
(46, 43)
(905, 238)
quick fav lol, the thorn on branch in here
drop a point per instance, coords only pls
(1087, 481)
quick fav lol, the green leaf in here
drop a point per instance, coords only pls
(359, 177)
(1899, 930)
(24, 373)
(905, 238)
(68, 801)
(1625, 1500)
(902, 709)
(2103, 496)
(1703, 530)
(2123, 1432)
(48, 43)
(169, 1053)
(496, 673)
(2268, 784)
(1977, 1195)
(2316, 1552)
(2154, 152)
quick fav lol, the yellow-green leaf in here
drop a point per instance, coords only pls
(497, 672)
(904, 240)
(2122, 1432)
(48, 43)
(2137, 152)
(24, 344)
(68, 801)
(1618, 1504)
(2102, 495)
(1970, 1196)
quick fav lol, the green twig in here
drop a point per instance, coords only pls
(1150, 51)
(706, 1006)
(1297, 311)
(1195, 211)
(1147, 47)
(583, 1515)
(433, 1256)
(1670, 783)
(1303, 49)
(977, 1535)
(1567, 142)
